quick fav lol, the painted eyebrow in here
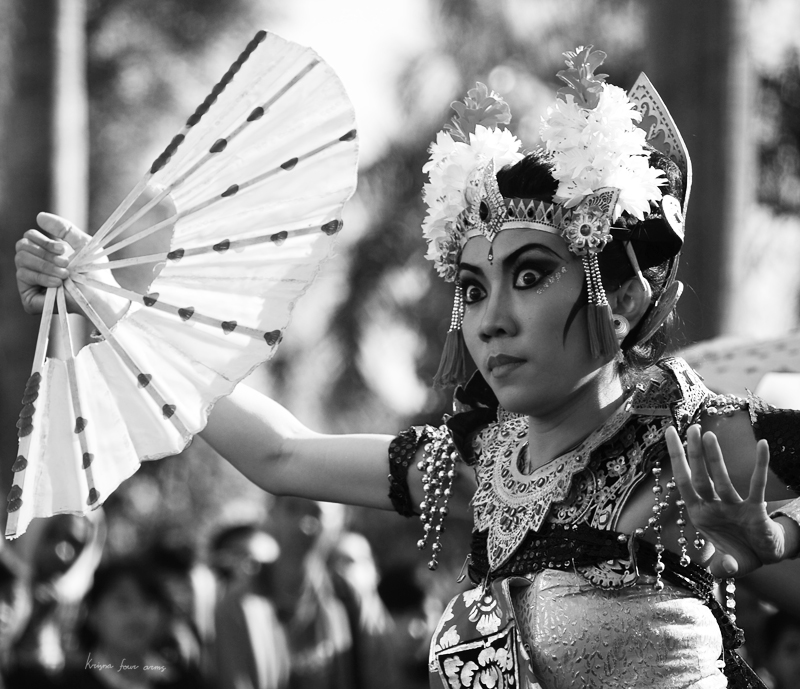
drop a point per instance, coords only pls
(512, 257)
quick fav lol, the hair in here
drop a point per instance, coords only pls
(105, 579)
(532, 178)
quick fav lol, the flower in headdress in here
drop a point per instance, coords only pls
(592, 135)
(469, 143)
(588, 231)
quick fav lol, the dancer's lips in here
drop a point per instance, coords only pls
(501, 364)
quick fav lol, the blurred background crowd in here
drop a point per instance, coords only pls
(188, 567)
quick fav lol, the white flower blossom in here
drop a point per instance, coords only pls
(603, 147)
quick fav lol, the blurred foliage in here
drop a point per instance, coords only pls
(779, 140)
(514, 47)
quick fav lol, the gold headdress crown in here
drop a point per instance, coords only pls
(596, 138)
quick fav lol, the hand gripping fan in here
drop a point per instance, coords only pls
(254, 183)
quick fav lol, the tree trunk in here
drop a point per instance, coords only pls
(43, 166)
(698, 62)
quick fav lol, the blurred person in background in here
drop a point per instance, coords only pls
(15, 607)
(596, 542)
(64, 553)
(190, 587)
(125, 624)
(405, 598)
(355, 580)
(249, 649)
(314, 620)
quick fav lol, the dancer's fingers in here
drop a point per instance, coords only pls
(31, 265)
(715, 463)
(696, 455)
(34, 240)
(758, 481)
(62, 228)
(680, 467)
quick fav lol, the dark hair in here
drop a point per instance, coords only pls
(532, 178)
(105, 579)
(230, 535)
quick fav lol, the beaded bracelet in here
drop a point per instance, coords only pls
(401, 453)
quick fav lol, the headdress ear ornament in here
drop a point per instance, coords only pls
(586, 235)
(663, 135)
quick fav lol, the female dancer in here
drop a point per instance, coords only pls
(596, 543)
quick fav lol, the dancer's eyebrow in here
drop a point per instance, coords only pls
(509, 260)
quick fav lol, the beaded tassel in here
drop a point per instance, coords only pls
(661, 503)
(685, 561)
(730, 599)
(452, 367)
(438, 471)
(602, 338)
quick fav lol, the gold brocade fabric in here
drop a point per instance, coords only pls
(579, 636)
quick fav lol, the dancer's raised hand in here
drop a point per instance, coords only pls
(741, 530)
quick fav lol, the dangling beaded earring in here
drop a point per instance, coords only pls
(602, 339)
(453, 366)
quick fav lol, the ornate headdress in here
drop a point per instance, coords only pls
(596, 140)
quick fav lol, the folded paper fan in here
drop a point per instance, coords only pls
(231, 225)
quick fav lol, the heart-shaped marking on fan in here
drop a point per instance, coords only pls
(228, 326)
(168, 410)
(257, 114)
(27, 411)
(230, 191)
(20, 463)
(29, 397)
(219, 146)
(223, 246)
(279, 237)
(33, 382)
(176, 255)
(186, 313)
(144, 379)
(80, 424)
(272, 337)
(332, 227)
(88, 458)
(349, 136)
(14, 494)
(289, 164)
(14, 505)
(150, 299)
(94, 496)
(25, 428)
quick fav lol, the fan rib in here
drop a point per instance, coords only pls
(141, 234)
(145, 380)
(185, 313)
(21, 462)
(115, 231)
(209, 202)
(169, 151)
(72, 378)
(276, 238)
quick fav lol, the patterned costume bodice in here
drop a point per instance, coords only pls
(562, 599)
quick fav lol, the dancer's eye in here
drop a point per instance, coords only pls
(528, 277)
(472, 292)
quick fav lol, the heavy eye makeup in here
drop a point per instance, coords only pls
(526, 272)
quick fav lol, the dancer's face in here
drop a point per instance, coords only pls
(525, 319)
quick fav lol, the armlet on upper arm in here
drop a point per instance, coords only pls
(781, 429)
